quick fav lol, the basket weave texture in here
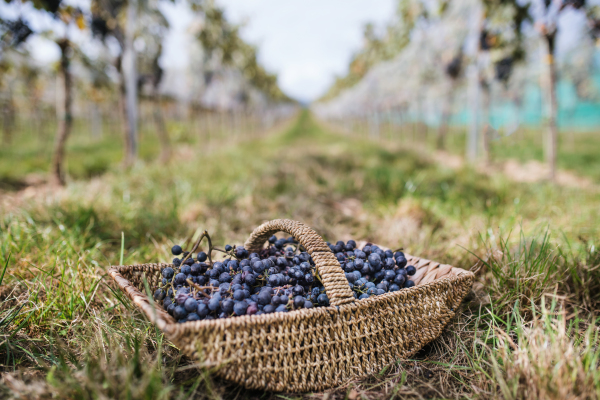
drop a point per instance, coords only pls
(318, 348)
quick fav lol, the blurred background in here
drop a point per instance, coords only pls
(88, 84)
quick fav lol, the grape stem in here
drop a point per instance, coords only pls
(197, 287)
(197, 244)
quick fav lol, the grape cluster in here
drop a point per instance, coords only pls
(280, 278)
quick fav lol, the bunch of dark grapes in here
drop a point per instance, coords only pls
(373, 271)
(281, 278)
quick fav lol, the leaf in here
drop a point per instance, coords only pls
(80, 21)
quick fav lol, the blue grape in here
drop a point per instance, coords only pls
(274, 280)
(250, 279)
(193, 317)
(159, 294)
(233, 265)
(186, 270)
(275, 300)
(240, 252)
(264, 298)
(196, 269)
(298, 290)
(401, 261)
(224, 287)
(400, 279)
(239, 295)
(179, 312)
(258, 266)
(323, 299)
(202, 256)
(359, 264)
(269, 309)
(180, 279)
(389, 263)
(168, 273)
(176, 250)
(351, 277)
(190, 305)
(374, 260)
(227, 306)
(390, 275)
(214, 304)
(299, 301)
(240, 307)
(202, 310)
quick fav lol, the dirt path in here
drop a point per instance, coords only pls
(529, 172)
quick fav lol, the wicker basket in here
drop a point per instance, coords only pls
(318, 348)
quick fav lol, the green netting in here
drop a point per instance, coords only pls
(574, 112)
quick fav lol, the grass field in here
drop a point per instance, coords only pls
(528, 330)
(577, 150)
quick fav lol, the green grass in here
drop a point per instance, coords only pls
(577, 150)
(64, 331)
(88, 156)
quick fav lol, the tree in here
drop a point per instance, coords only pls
(65, 123)
(375, 49)
(547, 24)
(221, 39)
(453, 70)
(500, 43)
(12, 35)
(151, 74)
(68, 15)
(119, 19)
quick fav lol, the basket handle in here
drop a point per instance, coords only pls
(329, 268)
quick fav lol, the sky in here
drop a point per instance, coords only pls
(306, 42)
